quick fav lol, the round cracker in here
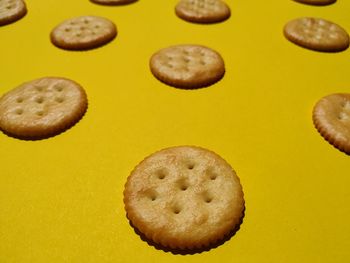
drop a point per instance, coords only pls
(42, 108)
(84, 32)
(202, 11)
(317, 34)
(331, 117)
(187, 66)
(316, 2)
(113, 2)
(11, 11)
(184, 197)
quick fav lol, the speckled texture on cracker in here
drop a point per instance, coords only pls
(42, 108)
(202, 11)
(317, 34)
(331, 117)
(187, 66)
(84, 32)
(316, 2)
(11, 11)
(184, 197)
(113, 2)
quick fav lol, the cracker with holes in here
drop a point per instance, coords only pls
(316, 2)
(84, 32)
(42, 108)
(317, 34)
(113, 2)
(187, 66)
(184, 197)
(202, 11)
(331, 117)
(11, 11)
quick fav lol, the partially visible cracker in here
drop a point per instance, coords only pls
(203, 11)
(184, 197)
(317, 34)
(187, 66)
(331, 117)
(11, 11)
(42, 108)
(113, 2)
(84, 32)
(316, 2)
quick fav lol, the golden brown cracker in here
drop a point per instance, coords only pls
(11, 11)
(317, 34)
(331, 117)
(42, 108)
(187, 66)
(184, 197)
(84, 32)
(202, 11)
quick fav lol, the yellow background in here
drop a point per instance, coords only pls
(61, 198)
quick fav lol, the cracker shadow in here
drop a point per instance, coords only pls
(191, 251)
(316, 5)
(115, 4)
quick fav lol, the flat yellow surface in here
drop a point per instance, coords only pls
(61, 198)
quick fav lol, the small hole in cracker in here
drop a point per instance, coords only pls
(161, 174)
(183, 187)
(59, 99)
(19, 100)
(213, 177)
(190, 166)
(208, 199)
(39, 100)
(59, 88)
(67, 29)
(40, 113)
(19, 111)
(39, 88)
(176, 210)
(345, 104)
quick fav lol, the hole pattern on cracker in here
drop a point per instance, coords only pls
(83, 32)
(9, 6)
(185, 59)
(203, 6)
(183, 185)
(317, 33)
(39, 98)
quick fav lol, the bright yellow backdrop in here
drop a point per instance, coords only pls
(61, 198)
